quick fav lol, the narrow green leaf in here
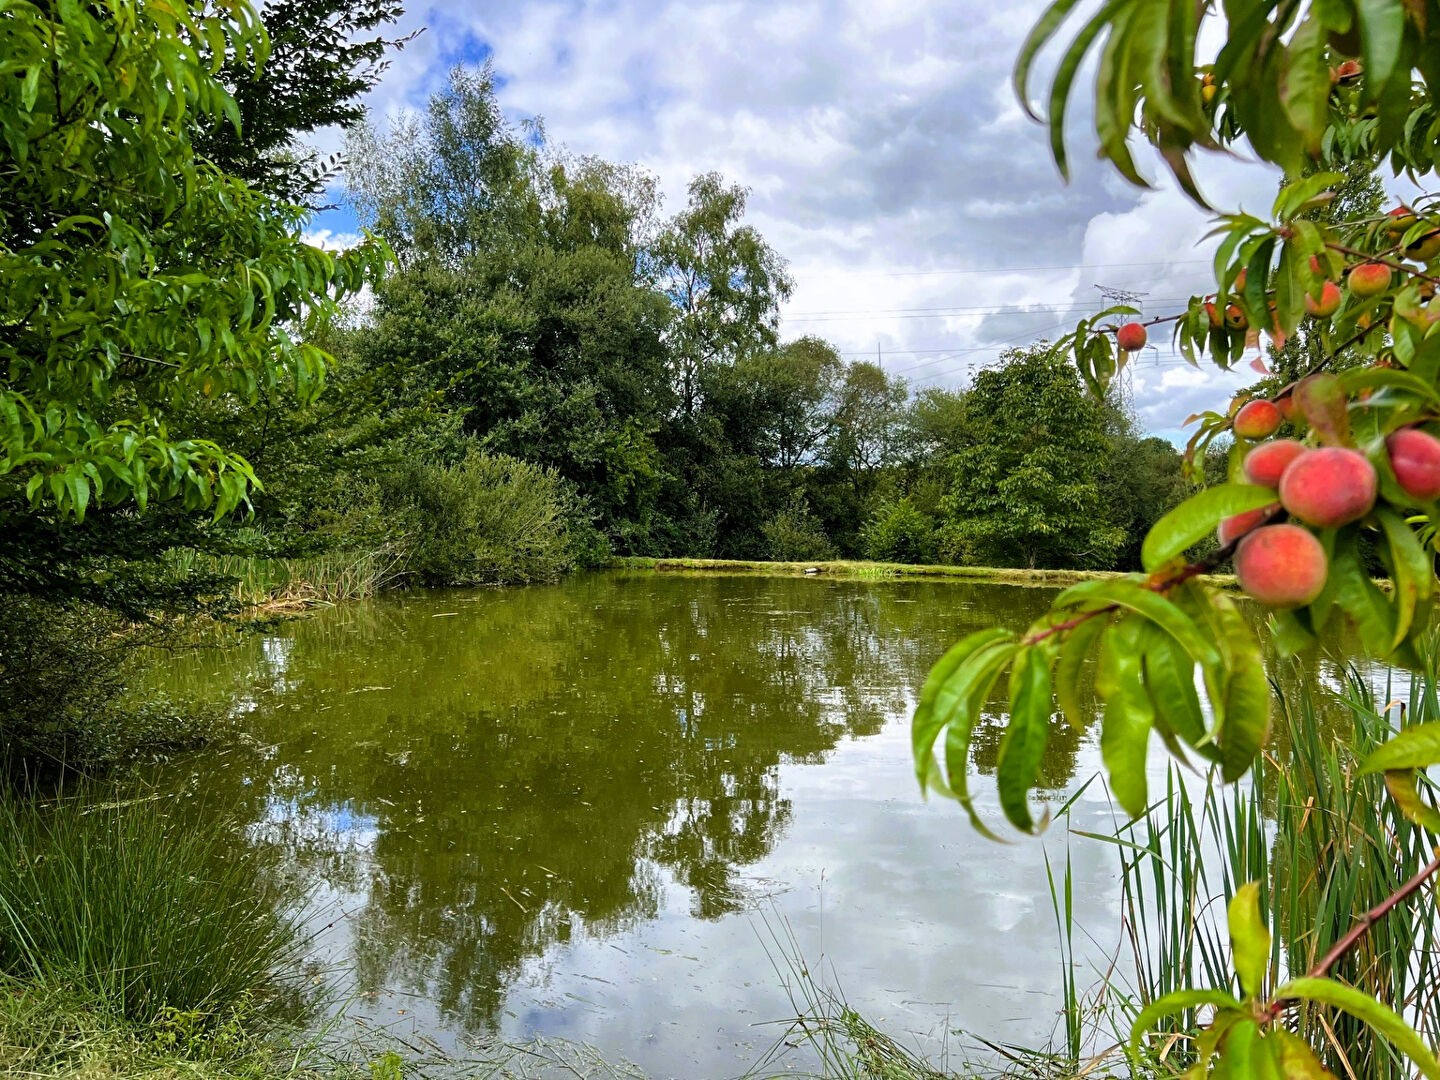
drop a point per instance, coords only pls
(1404, 788)
(1416, 747)
(926, 725)
(1411, 568)
(1382, 33)
(1245, 705)
(1365, 1008)
(1073, 651)
(1125, 732)
(1170, 681)
(1174, 1003)
(1040, 34)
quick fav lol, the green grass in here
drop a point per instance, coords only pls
(867, 570)
(1325, 843)
(154, 916)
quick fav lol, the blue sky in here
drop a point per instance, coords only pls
(887, 159)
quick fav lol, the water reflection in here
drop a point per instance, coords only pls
(484, 781)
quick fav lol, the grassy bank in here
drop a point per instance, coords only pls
(856, 569)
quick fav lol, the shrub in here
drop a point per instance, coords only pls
(147, 912)
(794, 534)
(898, 532)
(490, 519)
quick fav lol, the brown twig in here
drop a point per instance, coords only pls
(1392, 264)
(1158, 583)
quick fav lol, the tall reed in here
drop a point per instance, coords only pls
(138, 907)
(1326, 845)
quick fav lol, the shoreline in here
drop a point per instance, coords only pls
(849, 569)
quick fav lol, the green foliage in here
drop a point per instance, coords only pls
(1029, 468)
(794, 534)
(64, 670)
(1285, 80)
(110, 320)
(898, 532)
(149, 914)
(1274, 81)
(486, 520)
(321, 59)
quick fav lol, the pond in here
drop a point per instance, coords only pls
(607, 810)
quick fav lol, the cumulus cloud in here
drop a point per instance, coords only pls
(886, 155)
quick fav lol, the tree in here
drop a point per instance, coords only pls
(136, 276)
(519, 307)
(1028, 472)
(322, 57)
(1304, 84)
(725, 282)
(797, 397)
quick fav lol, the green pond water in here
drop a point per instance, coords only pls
(589, 810)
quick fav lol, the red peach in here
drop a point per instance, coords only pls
(1369, 279)
(1415, 457)
(1257, 419)
(1281, 565)
(1329, 487)
(1267, 462)
(1213, 313)
(1130, 337)
(1235, 318)
(1329, 301)
(1241, 524)
(1398, 220)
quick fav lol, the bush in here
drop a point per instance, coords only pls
(796, 535)
(151, 915)
(488, 520)
(898, 532)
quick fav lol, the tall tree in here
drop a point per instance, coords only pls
(1028, 474)
(725, 282)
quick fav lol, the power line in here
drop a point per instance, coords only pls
(1000, 269)
(947, 310)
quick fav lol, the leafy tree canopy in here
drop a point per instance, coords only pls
(134, 275)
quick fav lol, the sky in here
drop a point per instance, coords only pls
(887, 158)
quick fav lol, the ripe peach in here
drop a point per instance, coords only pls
(1328, 487)
(1130, 337)
(1329, 301)
(1267, 462)
(1289, 409)
(1415, 457)
(1398, 220)
(1235, 318)
(1241, 524)
(1281, 565)
(1369, 279)
(1257, 419)
(1217, 320)
(1239, 284)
